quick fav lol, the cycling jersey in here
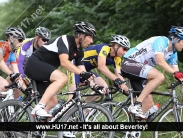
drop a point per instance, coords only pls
(138, 61)
(50, 51)
(145, 52)
(46, 59)
(91, 56)
(8, 56)
(91, 60)
(24, 53)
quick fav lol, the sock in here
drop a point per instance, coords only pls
(41, 105)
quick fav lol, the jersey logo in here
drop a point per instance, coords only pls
(104, 53)
(74, 54)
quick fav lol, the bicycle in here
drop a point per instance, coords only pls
(173, 114)
(78, 109)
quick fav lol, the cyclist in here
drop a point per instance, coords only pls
(8, 63)
(59, 52)
(99, 56)
(138, 66)
(42, 35)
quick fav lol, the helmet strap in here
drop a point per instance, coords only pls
(116, 50)
(173, 44)
(80, 40)
(12, 43)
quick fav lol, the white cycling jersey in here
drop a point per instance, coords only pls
(145, 52)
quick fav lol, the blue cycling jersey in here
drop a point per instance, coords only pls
(145, 51)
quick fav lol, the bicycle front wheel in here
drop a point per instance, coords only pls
(11, 111)
(93, 112)
(169, 129)
(119, 114)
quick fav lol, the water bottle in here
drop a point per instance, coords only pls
(152, 110)
(54, 109)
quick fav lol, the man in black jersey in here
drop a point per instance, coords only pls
(43, 64)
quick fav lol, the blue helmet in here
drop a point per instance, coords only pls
(176, 31)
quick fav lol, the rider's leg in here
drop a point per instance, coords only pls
(147, 103)
(155, 78)
(58, 80)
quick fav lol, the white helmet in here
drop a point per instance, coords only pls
(43, 32)
(16, 32)
(121, 40)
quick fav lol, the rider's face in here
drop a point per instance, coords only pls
(40, 41)
(86, 41)
(121, 50)
(14, 43)
(179, 45)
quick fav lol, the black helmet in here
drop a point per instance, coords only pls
(85, 28)
(16, 32)
(43, 32)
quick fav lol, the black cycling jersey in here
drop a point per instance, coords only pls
(50, 51)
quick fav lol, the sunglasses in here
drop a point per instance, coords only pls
(20, 40)
(44, 40)
(125, 49)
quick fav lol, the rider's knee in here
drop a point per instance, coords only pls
(160, 77)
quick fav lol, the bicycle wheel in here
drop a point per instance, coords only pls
(119, 115)
(93, 112)
(11, 111)
(170, 116)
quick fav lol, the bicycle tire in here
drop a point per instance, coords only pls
(96, 113)
(168, 116)
(8, 110)
(119, 115)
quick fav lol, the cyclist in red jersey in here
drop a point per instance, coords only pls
(8, 60)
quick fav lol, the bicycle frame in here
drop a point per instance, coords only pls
(173, 100)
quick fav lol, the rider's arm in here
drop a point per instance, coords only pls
(65, 63)
(5, 68)
(163, 64)
(15, 68)
(104, 69)
(118, 72)
(21, 57)
(20, 63)
(3, 65)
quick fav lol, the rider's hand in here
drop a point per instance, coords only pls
(119, 83)
(124, 87)
(99, 89)
(14, 76)
(178, 75)
(84, 76)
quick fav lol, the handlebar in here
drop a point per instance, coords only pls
(79, 88)
(11, 86)
(173, 85)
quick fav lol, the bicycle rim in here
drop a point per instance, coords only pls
(93, 113)
(169, 116)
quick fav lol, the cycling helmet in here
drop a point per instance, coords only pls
(43, 32)
(85, 28)
(176, 31)
(16, 32)
(121, 40)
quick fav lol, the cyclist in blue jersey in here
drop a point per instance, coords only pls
(100, 56)
(42, 36)
(139, 62)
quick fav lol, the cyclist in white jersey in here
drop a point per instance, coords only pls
(138, 66)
